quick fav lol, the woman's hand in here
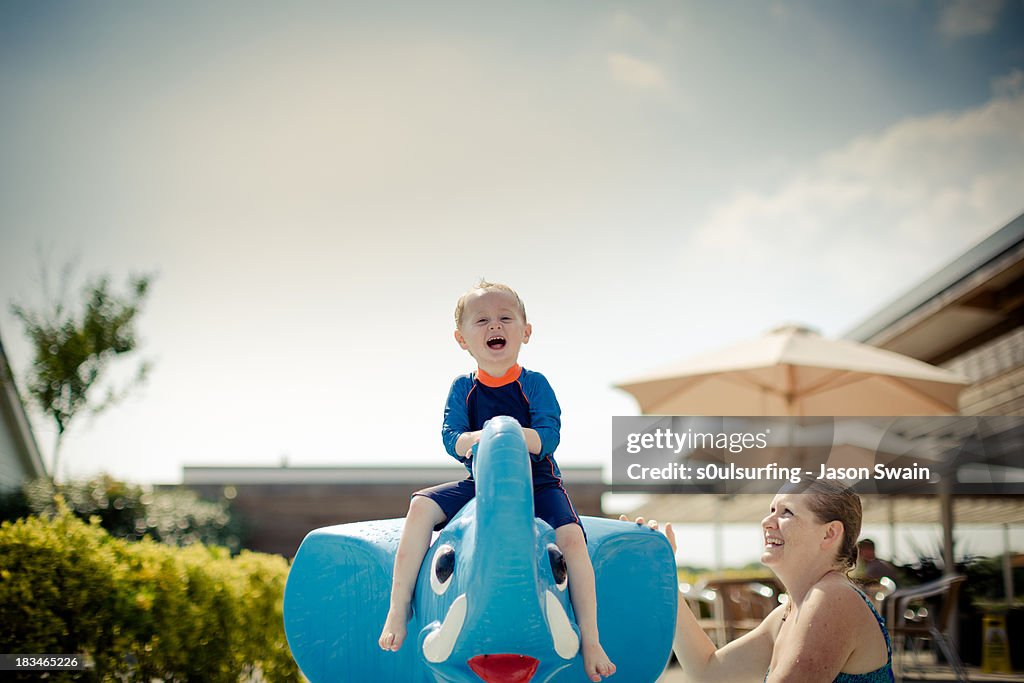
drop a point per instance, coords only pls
(670, 533)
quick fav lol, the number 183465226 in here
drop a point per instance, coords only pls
(41, 662)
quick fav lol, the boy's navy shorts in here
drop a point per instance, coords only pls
(550, 502)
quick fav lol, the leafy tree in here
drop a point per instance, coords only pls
(73, 348)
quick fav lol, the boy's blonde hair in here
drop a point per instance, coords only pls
(486, 286)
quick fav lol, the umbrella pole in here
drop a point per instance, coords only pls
(946, 503)
(946, 511)
(892, 529)
(1007, 567)
(718, 533)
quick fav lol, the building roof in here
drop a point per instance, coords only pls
(977, 297)
(13, 412)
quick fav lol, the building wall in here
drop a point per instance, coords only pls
(12, 465)
(996, 371)
(279, 516)
(19, 454)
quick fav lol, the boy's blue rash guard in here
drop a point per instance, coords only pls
(519, 393)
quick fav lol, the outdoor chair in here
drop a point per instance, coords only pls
(878, 591)
(739, 605)
(924, 613)
(701, 602)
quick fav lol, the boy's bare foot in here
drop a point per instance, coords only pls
(395, 628)
(595, 662)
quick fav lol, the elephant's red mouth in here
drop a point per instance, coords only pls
(504, 668)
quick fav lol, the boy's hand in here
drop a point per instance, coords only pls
(466, 444)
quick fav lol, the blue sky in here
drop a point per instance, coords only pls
(316, 183)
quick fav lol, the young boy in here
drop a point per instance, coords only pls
(491, 324)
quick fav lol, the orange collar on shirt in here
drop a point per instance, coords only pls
(511, 375)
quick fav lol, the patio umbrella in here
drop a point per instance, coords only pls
(793, 370)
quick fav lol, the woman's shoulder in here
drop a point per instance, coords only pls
(849, 611)
(772, 623)
(836, 586)
(835, 593)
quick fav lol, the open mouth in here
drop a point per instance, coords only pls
(496, 343)
(772, 541)
(510, 668)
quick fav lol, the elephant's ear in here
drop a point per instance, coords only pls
(336, 600)
(637, 593)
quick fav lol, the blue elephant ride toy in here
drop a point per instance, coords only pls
(491, 601)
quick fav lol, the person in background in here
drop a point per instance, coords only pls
(870, 567)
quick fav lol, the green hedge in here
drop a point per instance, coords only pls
(141, 610)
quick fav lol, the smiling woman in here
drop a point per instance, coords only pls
(828, 630)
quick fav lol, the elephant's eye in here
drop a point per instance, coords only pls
(558, 569)
(442, 569)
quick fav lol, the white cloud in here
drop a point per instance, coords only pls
(635, 72)
(1009, 85)
(867, 221)
(965, 18)
(625, 26)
